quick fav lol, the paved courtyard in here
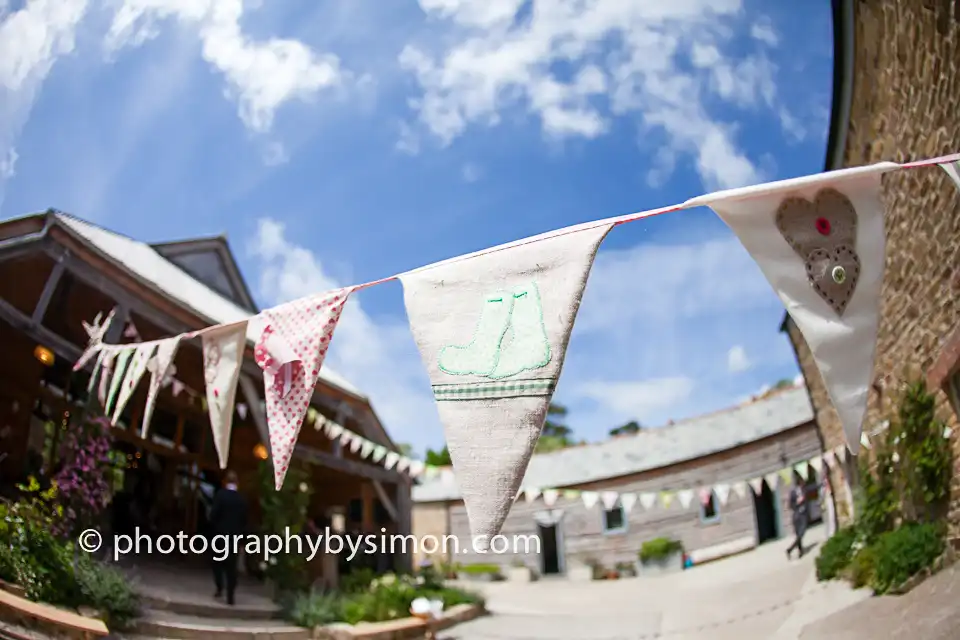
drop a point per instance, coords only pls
(754, 595)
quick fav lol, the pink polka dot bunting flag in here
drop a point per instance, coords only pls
(291, 350)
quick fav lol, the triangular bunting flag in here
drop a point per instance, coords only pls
(97, 365)
(379, 452)
(95, 334)
(571, 494)
(829, 458)
(627, 500)
(722, 492)
(356, 442)
(648, 500)
(757, 485)
(222, 358)
(130, 331)
(492, 330)
(119, 373)
(740, 488)
(366, 449)
(864, 441)
(609, 499)
(177, 387)
(416, 468)
(550, 497)
(772, 480)
(391, 460)
(952, 169)
(801, 469)
(158, 366)
(786, 475)
(403, 464)
(335, 431)
(531, 494)
(819, 240)
(135, 370)
(107, 373)
(666, 499)
(291, 350)
(816, 463)
(685, 497)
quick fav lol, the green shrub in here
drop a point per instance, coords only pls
(877, 502)
(480, 569)
(901, 554)
(861, 569)
(389, 598)
(836, 554)
(109, 591)
(313, 609)
(659, 549)
(357, 580)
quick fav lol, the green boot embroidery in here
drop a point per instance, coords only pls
(480, 356)
(525, 345)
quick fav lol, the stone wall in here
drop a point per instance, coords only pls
(906, 106)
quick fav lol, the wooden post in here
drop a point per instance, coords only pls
(367, 497)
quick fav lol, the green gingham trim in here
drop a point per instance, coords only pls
(493, 390)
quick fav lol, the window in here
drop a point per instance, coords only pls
(614, 520)
(710, 510)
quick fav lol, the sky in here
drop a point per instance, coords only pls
(340, 141)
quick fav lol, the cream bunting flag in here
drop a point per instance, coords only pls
(119, 373)
(531, 494)
(685, 497)
(819, 240)
(816, 463)
(492, 330)
(403, 464)
(627, 500)
(293, 343)
(135, 370)
(550, 497)
(829, 459)
(609, 499)
(740, 488)
(366, 449)
(379, 452)
(107, 367)
(589, 499)
(391, 460)
(648, 500)
(95, 335)
(356, 442)
(158, 366)
(757, 485)
(864, 441)
(722, 492)
(223, 349)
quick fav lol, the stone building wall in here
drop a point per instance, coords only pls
(906, 106)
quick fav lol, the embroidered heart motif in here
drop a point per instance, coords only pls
(824, 234)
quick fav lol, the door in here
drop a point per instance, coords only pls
(767, 514)
(551, 556)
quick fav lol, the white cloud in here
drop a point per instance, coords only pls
(498, 60)
(765, 33)
(471, 172)
(636, 399)
(408, 141)
(275, 154)
(737, 361)
(31, 40)
(377, 355)
(8, 164)
(261, 76)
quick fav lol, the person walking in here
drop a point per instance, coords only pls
(228, 517)
(798, 505)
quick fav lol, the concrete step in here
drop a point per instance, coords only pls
(165, 624)
(244, 609)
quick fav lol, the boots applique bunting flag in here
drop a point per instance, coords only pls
(223, 349)
(158, 366)
(96, 331)
(135, 370)
(492, 330)
(819, 241)
(291, 349)
(120, 363)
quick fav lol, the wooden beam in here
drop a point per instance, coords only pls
(386, 501)
(49, 288)
(13, 248)
(19, 320)
(345, 465)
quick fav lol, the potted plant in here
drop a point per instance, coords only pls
(627, 569)
(611, 574)
(660, 556)
(519, 572)
(581, 569)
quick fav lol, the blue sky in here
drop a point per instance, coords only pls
(339, 141)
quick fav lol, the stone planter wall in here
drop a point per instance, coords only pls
(520, 574)
(407, 628)
(580, 573)
(671, 564)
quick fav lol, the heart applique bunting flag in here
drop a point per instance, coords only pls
(819, 241)
(223, 349)
(492, 330)
(135, 370)
(291, 351)
(158, 366)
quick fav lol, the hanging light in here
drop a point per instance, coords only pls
(44, 355)
(260, 451)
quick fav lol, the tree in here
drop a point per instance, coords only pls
(439, 458)
(783, 383)
(405, 449)
(555, 435)
(630, 428)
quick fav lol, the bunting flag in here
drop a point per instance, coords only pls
(492, 330)
(722, 491)
(589, 498)
(666, 499)
(107, 366)
(550, 497)
(135, 370)
(222, 359)
(158, 366)
(648, 500)
(119, 372)
(531, 494)
(609, 499)
(95, 335)
(391, 460)
(627, 500)
(819, 240)
(379, 452)
(685, 497)
(242, 410)
(97, 369)
(292, 346)
(740, 488)
(757, 485)
(816, 463)
(130, 331)
(952, 169)
(772, 480)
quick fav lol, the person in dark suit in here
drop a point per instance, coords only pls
(228, 517)
(801, 515)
